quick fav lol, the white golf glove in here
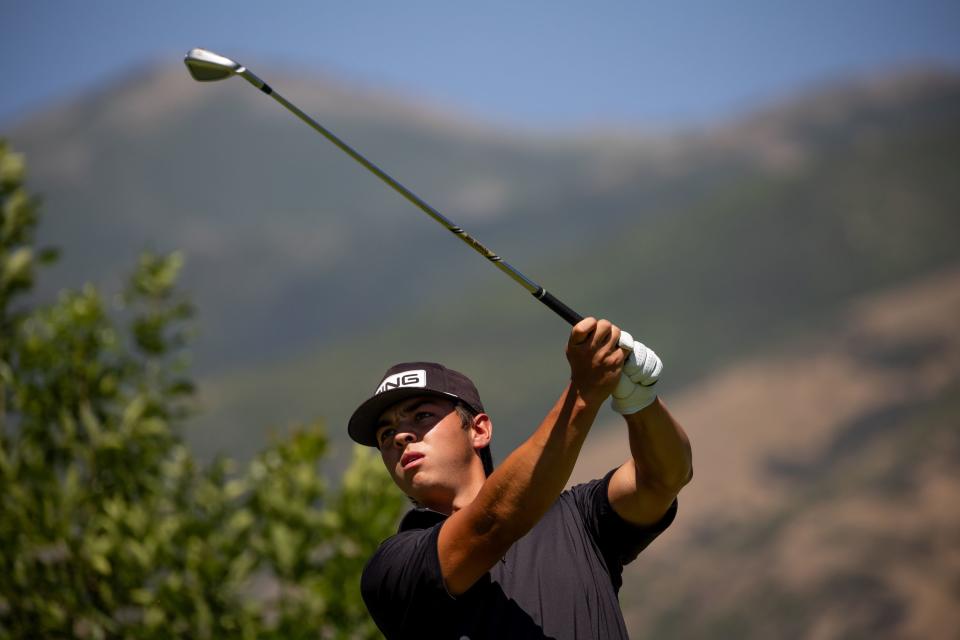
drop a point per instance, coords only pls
(640, 372)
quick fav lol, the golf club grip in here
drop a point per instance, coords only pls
(558, 307)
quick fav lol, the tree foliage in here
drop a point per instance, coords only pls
(108, 526)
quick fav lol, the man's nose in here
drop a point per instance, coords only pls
(403, 438)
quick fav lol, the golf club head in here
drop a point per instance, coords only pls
(206, 66)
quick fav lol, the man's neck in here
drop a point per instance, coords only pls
(467, 495)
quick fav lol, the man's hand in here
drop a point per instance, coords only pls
(634, 391)
(596, 359)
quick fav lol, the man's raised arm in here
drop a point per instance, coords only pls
(520, 491)
(660, 463)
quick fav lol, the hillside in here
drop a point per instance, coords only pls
(761, 256)
(311, 276)
(225, 174)
(825, 487)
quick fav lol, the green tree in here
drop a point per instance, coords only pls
(108, 526)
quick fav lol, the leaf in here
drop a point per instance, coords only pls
(48, 255)
(90, 422)
(283, 543)
(134, 410)
(181, 387)
(100, 564)
(12, 168)
(17, 268)
(240, 521)
(154, 617)
(142, 596)
(242, 566)
(139, 553)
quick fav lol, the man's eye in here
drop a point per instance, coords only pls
(386, 434)
(423, 415)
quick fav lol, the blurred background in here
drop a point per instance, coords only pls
(767, 195)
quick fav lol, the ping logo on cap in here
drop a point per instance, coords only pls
(412, 378)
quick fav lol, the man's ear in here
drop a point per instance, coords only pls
(481, 431)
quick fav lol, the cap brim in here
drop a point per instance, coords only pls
(362, 427)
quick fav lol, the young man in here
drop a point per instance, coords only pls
(508, 553)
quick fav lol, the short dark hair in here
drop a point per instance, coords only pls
(467, 414)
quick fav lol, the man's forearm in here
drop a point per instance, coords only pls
(660, 448)
(524, 486)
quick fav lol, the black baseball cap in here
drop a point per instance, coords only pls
(406, 380)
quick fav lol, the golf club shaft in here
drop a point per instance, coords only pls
(536, 290)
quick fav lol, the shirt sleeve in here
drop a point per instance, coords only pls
(403, 580)
(618, 540)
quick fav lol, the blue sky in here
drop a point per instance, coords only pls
(540, 64)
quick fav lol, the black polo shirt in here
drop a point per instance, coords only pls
(559, 581)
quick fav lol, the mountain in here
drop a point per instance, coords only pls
(797, 269)
(224, 174)
(311, 276)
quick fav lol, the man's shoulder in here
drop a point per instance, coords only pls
(587, 495)
(402, 583)
(590, 486)
(412, 540)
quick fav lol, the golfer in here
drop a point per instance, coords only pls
(508, 553)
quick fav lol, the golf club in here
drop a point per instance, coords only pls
(206, 66)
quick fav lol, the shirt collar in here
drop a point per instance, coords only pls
(420, 519)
